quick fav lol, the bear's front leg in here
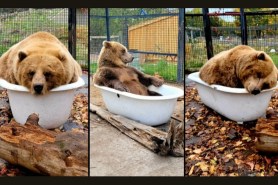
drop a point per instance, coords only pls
(156, 81)
(147, 80)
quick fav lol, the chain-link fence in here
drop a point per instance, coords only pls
(18, 23)
(150, 34)
(226, 32)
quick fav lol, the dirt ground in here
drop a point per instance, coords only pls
(115, 154)
(217, 146)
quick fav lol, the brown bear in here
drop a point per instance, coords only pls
(39, 62)
(113, 72)
(241, 66)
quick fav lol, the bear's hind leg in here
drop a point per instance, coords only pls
(116, 84)
(153, 93)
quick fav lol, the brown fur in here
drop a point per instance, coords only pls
(113, 71)
(40, 59)
(241, 66)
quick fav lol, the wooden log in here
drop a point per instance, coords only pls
(267, 135)
(44, 151)
(163, 143)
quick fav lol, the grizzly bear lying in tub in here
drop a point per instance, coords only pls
(39, 62)
(241, 66)
(113, 72)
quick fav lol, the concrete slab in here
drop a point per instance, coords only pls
(114, 154)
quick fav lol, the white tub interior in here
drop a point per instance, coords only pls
(148, 110)
(234, 103)
(53, 108)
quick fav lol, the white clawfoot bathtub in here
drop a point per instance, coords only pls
(148, 110)
(53, 108)
(234, 103)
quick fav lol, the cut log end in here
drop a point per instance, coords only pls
(267, 135)
(174, 141)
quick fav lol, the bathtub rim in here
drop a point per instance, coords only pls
(9, 86)
(180, 93)
(195, 77)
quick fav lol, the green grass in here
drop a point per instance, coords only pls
(274, 58)
(193, 64)
(165, 69)
(93, 67)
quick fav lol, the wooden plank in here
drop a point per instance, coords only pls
(44, 151)
(160, 35)
(163, 143)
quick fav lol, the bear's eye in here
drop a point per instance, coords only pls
(31, 73)
(123, 51)
(266, 86)
(259, 75)
(47, 74)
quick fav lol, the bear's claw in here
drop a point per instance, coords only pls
(121, 88)
(157, 82)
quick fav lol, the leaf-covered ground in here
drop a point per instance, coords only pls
(77, 120)
(217, 146)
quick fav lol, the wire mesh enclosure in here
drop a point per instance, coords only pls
(150, 34)
(226, 32)
(18, 23)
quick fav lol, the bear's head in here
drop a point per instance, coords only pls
(114, 53)
(257, 72)
(40, 72)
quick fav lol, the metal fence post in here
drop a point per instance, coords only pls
(89, 39)
(72, 31)
(107, 23)
(243, 27)
(185, 34)
(207, 31)
(181, 46)
(125, 32)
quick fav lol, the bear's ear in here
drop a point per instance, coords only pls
(261, 56)
(106, 44)
(22, 55)
(61, 56)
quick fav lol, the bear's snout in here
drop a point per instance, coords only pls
(255, 91)
(38, 88)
